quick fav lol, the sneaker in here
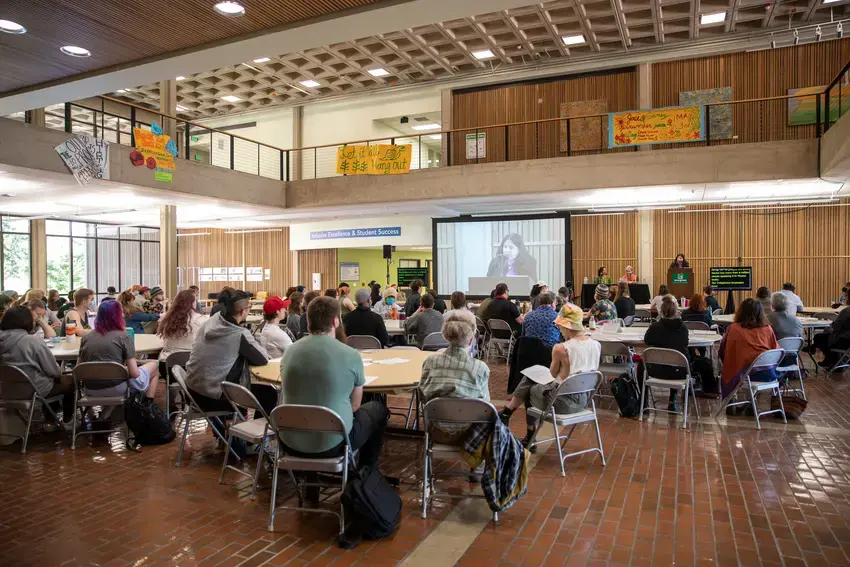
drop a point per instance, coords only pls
(525, 443)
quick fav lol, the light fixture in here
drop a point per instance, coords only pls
(379, 72)
(420, 127)
(252, 231)
(193, 234)
(310, 83)
(436, 136)
(75, 51)
(262, 60)
(483, 54)
(180, 78)
(123, 90)
(229, 8)
(231, 98)
(9, 26)
(829, 1)
(573, 39)
(101, 213)
(181, 108)
(597, 215)
(779, 202)
(715, 18)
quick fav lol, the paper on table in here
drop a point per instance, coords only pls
(276, 360)
(370, 379)
(365, 364)
(392, 361)
(538, 373)
(367, 360)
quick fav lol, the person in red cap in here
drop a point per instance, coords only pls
(143, 298)
(271, 336)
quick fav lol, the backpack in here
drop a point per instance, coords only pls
(148, 423)
(703, 372)
(371, 504)
(627, 395)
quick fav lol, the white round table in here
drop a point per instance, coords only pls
(145, 344)
(807, 322)
(635, 335)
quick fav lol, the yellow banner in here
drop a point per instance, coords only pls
(658, 126)
(152, 153)
(380, 159)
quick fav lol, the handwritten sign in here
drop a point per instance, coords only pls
(86, 157)
(381, 159)
(156, 152)
(658, 126)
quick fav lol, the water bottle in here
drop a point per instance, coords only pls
(682, 301)
(592, 324)
(585, 280)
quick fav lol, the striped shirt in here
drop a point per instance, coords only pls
(454, 374)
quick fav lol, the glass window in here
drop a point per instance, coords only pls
(57, 228)
(150, 264)
(11, 224)
(16, 262)
(83, 229)
(131, 264)
(106, 231)
(59, 264)
(107, 264)
(150, 234)
(129, 232)
(83, 264)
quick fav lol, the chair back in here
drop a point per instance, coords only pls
(643, 314)
(791, 345)
(241, 397)
(15, 385)
(480, 325)
(580, 383)
(697, 326)
(292, 337)
(180, 358)
(499, 325)
(100, 371)
(826, 316)
(179, 374)
(314, 419)
(363, 342)
(767, 360)
(614, 349)
(665, 357)
(458, 411)
(434, 341)
(717, 311)
(629, 320)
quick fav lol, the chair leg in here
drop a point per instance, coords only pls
(782, 405)
(755, 407)
(274, 489)
(183, 439)
(598, 437)
(74, 419)
(29, 425)
(800, 378)
(642, 397)
(558, 443)
(425, 479)
(696, 404)
(259, 468)
(409, 409)
(226, 455)
(685, 408)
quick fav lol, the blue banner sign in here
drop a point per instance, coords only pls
(356, 233)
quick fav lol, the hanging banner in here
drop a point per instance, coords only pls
(380, 159)
(86, 157)
(658, 126)
(156, 151)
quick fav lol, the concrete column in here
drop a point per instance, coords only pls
(38, 236)
(168, 250)
(645, 248)
(445, 124)
(37, 119)
(168, 105)
(296, 158)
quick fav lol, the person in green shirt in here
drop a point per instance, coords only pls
(319, 370)
(602, 276)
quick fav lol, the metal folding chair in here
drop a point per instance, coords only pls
(363, 342)
(251, 431)
(312, 419)
(628, 321)
(89, 373)
(608, 364)
(174, 359)
(504, 344)
(483, 336)
(643, 315)
(581, 383)
(192, 411)
(697, 326)
(792, 346)
(674, 359)
(288, 331)
(764, 361)
(434, 341)
(18, 393)
(826, 316)
(455, 411)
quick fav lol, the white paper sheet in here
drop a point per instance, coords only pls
(370, 379)
(538, 373)
(392, 361)
(365, 364)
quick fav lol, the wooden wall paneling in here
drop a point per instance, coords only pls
(270, 250)
(604, 240)
(318, 261)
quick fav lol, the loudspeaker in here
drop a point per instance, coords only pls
(388, 252)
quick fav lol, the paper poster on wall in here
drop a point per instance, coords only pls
(206, 271)
(720, 114)
(220, 272)
(254, 271)
(317, 282)
(236, 271)
(254, 277)
(206, 277)
(86, 157)
(380, 159)
(479, 150)
(585, 133)
(220, 278)
(268, 273)
(349, 271)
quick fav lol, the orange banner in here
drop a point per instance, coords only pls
(151, 148)
(658, 126)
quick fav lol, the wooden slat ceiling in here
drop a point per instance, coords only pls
(122, 31)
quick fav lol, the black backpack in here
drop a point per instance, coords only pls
(371, 505)
(626, 393)
(703, 372)
(148, 423)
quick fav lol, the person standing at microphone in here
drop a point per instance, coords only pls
(513, 259)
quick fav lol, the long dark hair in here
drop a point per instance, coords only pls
(175, 323)
(750, 314)
(517, 241)
(375, 296)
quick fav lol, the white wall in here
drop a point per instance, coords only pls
(273, 127)
(415, 231)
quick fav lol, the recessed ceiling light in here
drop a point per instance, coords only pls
(230, 8)
(573, 39)
(263, 60)
(123, 90)
(75, 51)
(310, 83)
(231, 98)
(180, 78)
(484, 54)
(436, 136)
(181, 108)
(706, 19)
(426, 127)
(379, 72)
(9, 26)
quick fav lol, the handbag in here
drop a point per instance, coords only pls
(146, 420)
(626, 394)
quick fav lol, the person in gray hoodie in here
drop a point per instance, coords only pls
(21, 348)
(223, 351)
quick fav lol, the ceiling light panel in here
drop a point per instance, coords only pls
(424, 127)
(11, 27)
(573, 39)
(484, 54)
(231, 9)
(379, 72)
(715, 18)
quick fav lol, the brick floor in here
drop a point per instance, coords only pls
(721, 493)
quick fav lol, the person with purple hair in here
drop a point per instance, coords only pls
(109, 342)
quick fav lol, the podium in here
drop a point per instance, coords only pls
(680, 282)
(518, 286)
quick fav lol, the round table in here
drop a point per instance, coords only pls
(807, 322)
(814, 310)
(387, 377)
(394, 326)
(635, 335)
(145, 344)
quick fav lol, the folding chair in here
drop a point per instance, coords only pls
(826, 316)
(363, 342)
(628, 321)
(456, 411)
(581, 383)
(434, 341)
(251, 431)
(697, 326)
(643, 314)
(608, 364)
(313, 419)
(792, 346)
(91, 373)
(288, 331)
(192, 410)
(483, 336)
(502, 343)
(674, 359)
(174, 359)
(18, 393)
(764, 361)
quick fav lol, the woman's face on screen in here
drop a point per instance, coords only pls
(510, 249)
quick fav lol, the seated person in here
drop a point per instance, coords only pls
(21, 348)
(710, 298)
(109, 342)
(79, 313)
(454, 373)
(578, 353)
(271, 336)
(697, 310)
(302, 321)
(65, 307)
(502, 308)
(224, 350)
(48, 315)
(763, 297)
(143, 298)
(439, 304)
(134, 316)
(603, 309)
(540, 323)
(794, 301)
(745, 339)
(457, 302)
(782, 320)
(623, 302)
(669, 331)
(363, 321)
(536, 290)
(425, 321)
(412, 304)
(319, 370)
(43, 330)
(602, 276)
(384, 307)
(655, 304)
(294, 312)
(837, 338)
(485, 303)
(630, 276)
(343, 291)
(157, 302)
(331, 293)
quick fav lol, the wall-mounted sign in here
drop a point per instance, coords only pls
(155, 151)
(476, 145)
(658, 126)
(268, 274)
(380, 159)
(86, 157)
(407, 275)
(349, 271)
(356, 233)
